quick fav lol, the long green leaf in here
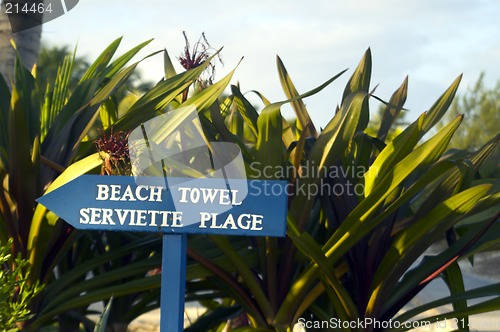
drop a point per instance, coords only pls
(453, 278)
(67, 282)
(227, 136)
(245, 108)
(213, 318)
(103, 320)
(135, 286)
(230, 285)
(5, 97)
(28, 95)
(114, 84)
(54, 103)
(483, 307)
(79, 124)
(357, 224)
(247, 276)
(208, 96)
(360, 79)
(413, 241)
(344, 306)
(160, 95)
(119, 63)
(476, 293)
(22, 173)
(136, 269)
(168, 66)
(328, 148)
(419, 276)
(78, 99)
(40, 228)
(304, 120)
(102, 61)
(392, 110)
(439, 108)
(269, 148)
(393, 153)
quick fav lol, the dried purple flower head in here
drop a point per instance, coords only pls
(113, 150)
(192, 58)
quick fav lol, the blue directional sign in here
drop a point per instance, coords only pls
(180, 186)
(174, 207)
(184, 206)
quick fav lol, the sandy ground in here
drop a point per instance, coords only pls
(150, 322)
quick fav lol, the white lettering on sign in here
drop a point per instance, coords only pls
(142, 193)
(164, 219)
(246, 221)
(209, 196)
(140, 218)
(153, 218)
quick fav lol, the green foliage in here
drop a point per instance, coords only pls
(347, 255)
(50, 58)
(351, 255)
(16, 291)
(47, 139)
(389, 121)
(47, 133)
(480, 106)
(100, 326)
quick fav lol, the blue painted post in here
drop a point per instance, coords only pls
(173, 282)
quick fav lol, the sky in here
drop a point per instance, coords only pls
(430, 41)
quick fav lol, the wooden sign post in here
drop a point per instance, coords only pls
(118, 203)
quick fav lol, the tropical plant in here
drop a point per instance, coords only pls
(47, 139)
(16, 292)
(50, 59)
(43, 131)
(349, 255)
(101, 324)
